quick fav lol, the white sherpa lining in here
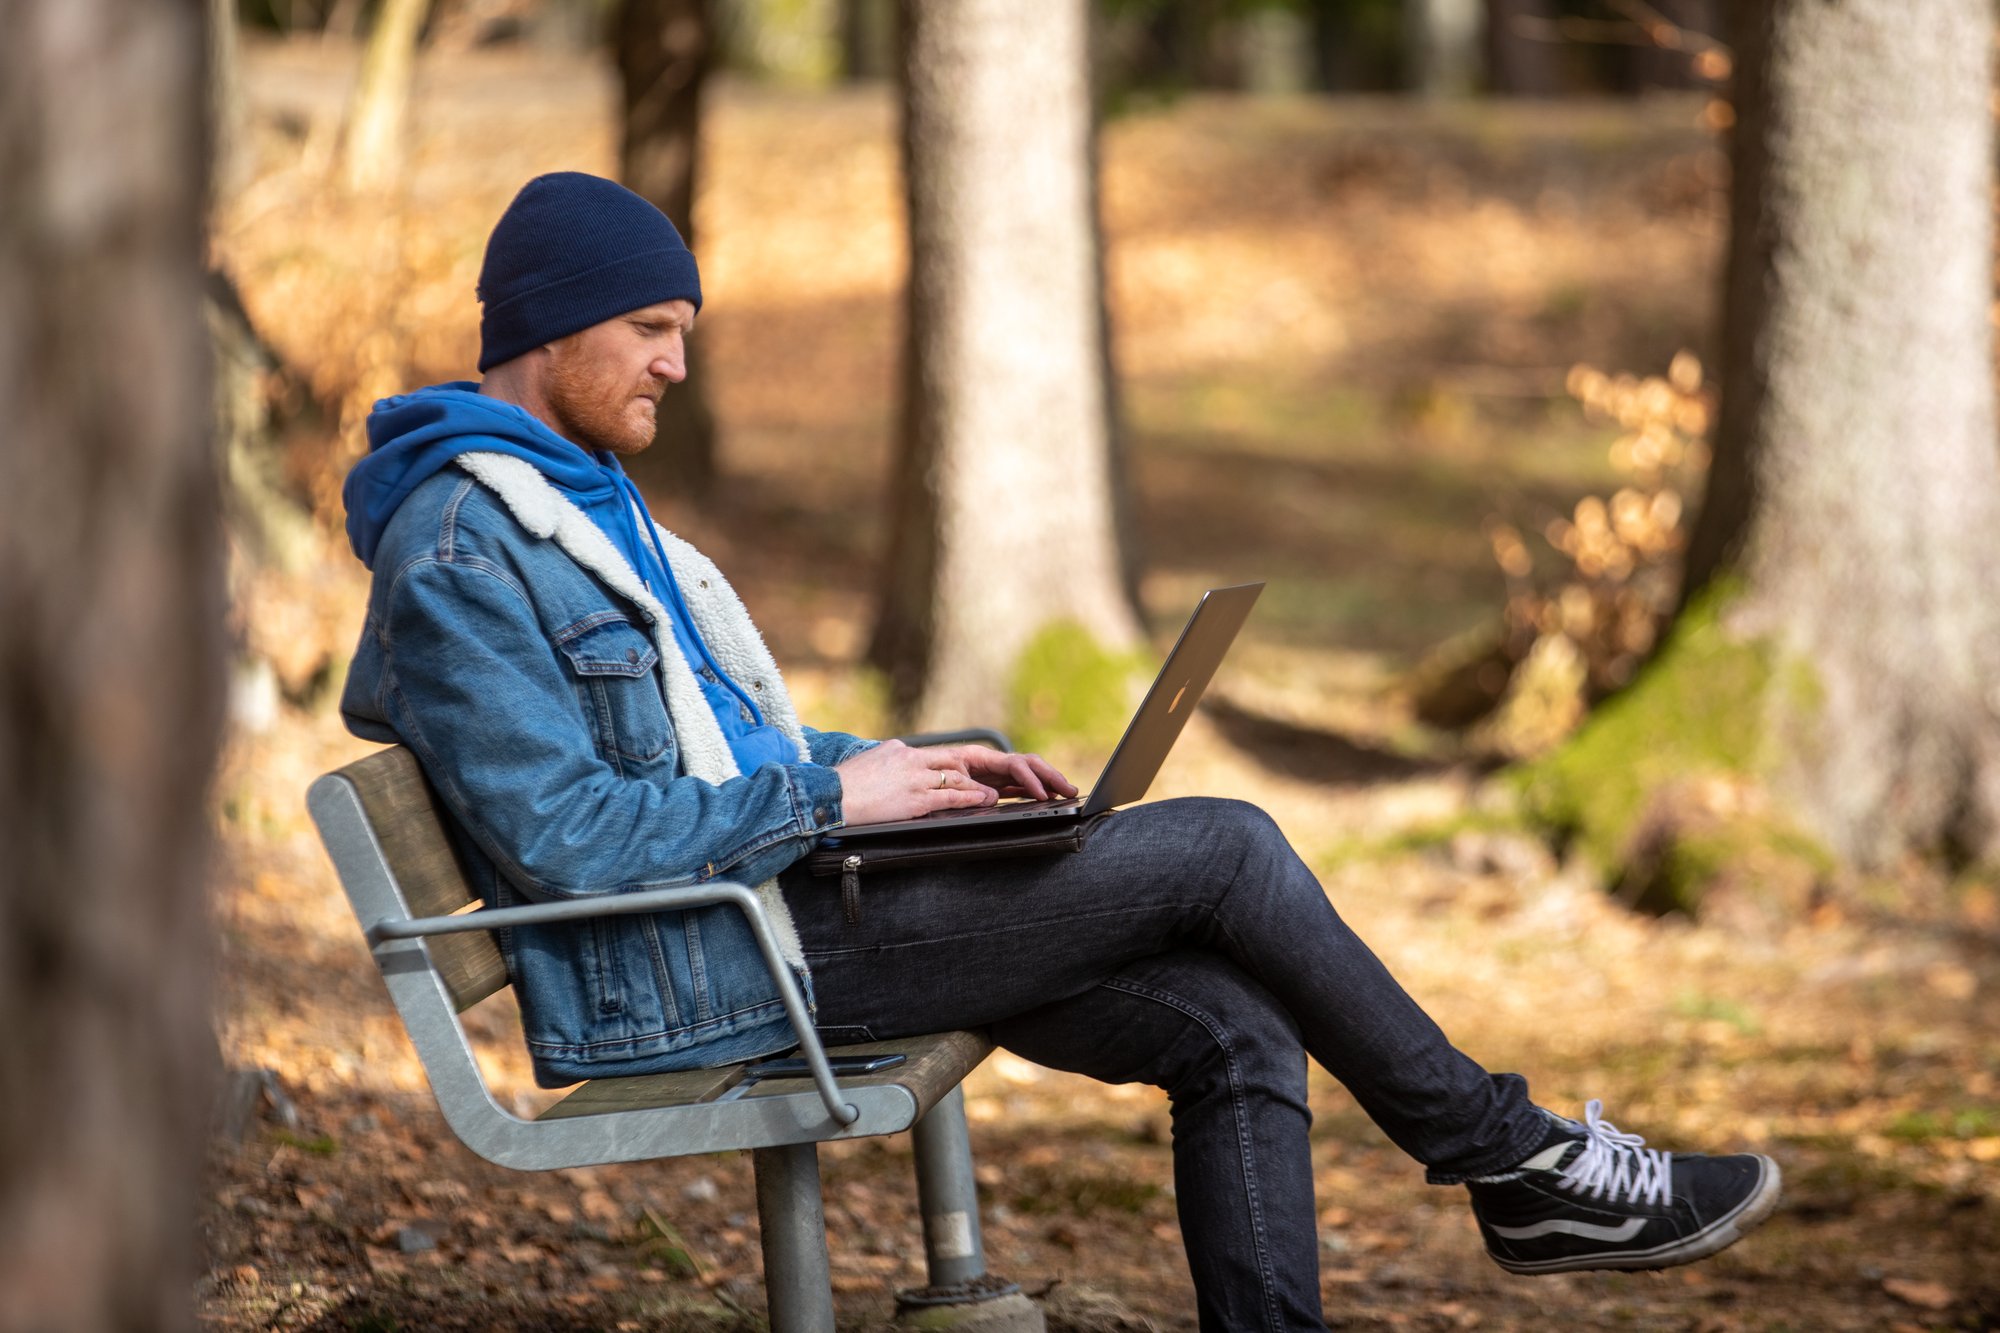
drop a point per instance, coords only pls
(719, 616)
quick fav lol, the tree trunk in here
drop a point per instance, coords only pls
(110, 666)
(372, 156)
(665, 50)
(228, 159)
(1520, 60)
(1442, 41)
(1855, 489)
(1117, 440)
(867, 40)
(1003, 510)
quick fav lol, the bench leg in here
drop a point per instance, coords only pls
(962, 1295)
(947, 1194)
(792, 1224)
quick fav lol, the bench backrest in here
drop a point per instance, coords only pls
(402, 809)
(382, 827)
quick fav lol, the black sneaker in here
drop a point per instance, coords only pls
(1592, 1197)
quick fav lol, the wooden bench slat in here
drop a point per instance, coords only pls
(407, 822)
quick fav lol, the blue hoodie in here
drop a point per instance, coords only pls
(414, 435)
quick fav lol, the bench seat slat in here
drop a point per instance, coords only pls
(936, 1065)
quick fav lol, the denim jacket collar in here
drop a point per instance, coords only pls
(719, 616)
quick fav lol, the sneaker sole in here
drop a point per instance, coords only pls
(1717, 1236)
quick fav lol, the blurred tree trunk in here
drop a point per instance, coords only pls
(1520, 60)
(665, 50)
(1443, 44)
(1003, 512)
(1855, 488)
(1124, 502)
(229, 162)
(1274, 48)
(372, 154)
(867, 40)
(111, 664)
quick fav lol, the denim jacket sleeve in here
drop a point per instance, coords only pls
(835, 747)
(473, 686)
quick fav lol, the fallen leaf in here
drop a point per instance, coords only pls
(599, 1206)
(1923, 1295)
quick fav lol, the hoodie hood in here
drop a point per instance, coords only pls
(413, 436)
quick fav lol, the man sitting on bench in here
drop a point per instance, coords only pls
(598, 716)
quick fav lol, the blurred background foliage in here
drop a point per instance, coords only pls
(1149, 49)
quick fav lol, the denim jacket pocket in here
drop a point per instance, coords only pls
(616, 669)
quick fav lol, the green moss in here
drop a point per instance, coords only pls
(1068, 689)
(1716, 1009)
(319, 1145)
(1966, 1122)
(1630, 793)
(1696, 710)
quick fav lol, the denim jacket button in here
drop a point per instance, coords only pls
(632, 654)
(819, 814)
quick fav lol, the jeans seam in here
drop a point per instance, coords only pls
(1245, 1152)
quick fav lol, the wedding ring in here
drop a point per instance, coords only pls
(944, 778)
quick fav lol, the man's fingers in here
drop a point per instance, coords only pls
(1046, 772)
(963, 792)
(1023, 772)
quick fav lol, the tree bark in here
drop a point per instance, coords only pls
(1855, 489)
(1443, 43)
(372, 155)
(665, 50)
(1520, 62)
(1003, 510)
(867, 40)
(228, 159)
(111, 664)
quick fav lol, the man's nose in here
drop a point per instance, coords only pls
(670, 366)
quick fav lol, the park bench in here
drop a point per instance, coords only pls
(380, 822)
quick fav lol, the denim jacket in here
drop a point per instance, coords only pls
(512, 648)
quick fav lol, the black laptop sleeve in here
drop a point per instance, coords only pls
(952, 842)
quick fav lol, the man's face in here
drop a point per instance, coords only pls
(604, 383)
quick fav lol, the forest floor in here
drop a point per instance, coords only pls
(1343, 328)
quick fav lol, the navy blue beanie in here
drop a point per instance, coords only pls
(571, 251)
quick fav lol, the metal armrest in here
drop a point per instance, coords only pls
(651, 900)
(963, 736)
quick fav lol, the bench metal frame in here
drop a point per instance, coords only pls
(780, 1127)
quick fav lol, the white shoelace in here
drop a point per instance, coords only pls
(1615, 1163)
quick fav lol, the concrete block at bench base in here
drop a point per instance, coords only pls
(1012, 1313)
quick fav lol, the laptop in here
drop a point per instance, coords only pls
(1142, 749)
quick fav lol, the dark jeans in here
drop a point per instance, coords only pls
(1188, 947)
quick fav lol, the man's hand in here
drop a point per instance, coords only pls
(1027, 775)
(893, 781)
